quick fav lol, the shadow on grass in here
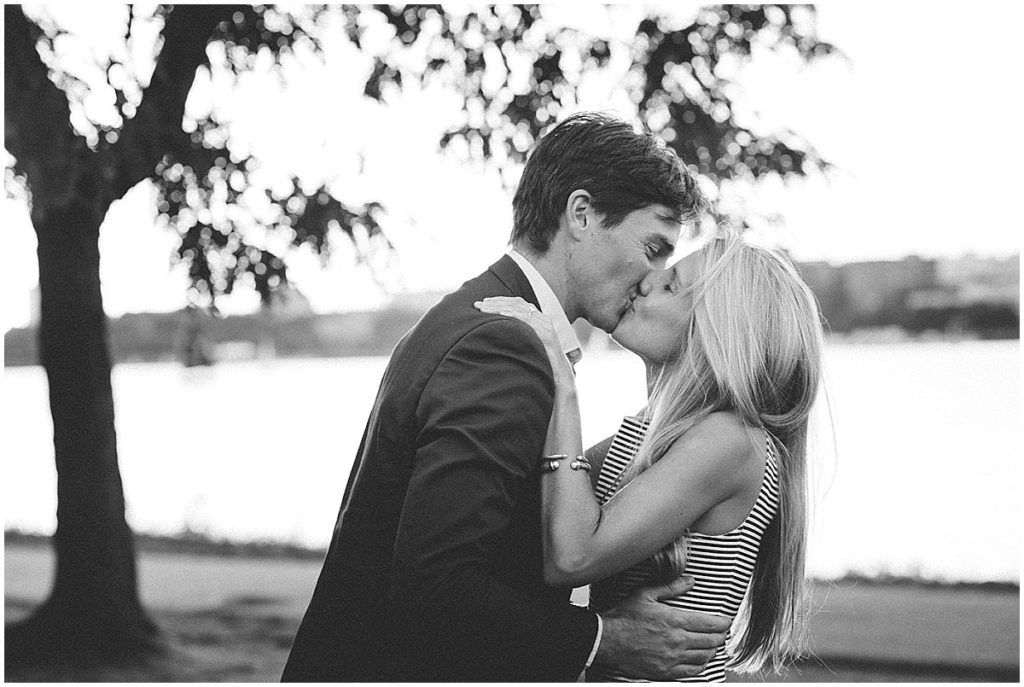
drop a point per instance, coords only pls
(248, 639)
(244, 640)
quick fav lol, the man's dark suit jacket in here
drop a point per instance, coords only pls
(434, 572)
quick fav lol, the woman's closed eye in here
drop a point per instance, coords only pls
(673, 284)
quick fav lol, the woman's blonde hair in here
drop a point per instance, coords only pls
(752, 345)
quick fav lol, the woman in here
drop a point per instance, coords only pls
(709, 481)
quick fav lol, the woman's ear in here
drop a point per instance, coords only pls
(579, 214)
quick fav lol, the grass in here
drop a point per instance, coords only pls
(230, 615)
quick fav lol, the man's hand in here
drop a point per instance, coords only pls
(647, 639)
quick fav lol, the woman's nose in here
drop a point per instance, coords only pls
(648, 283)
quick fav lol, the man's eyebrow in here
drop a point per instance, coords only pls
(671, 220)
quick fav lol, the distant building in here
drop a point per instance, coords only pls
(982, 280)
(861, 294)
(967, 294)
(880, 285)
(973, 269)
(826, 282)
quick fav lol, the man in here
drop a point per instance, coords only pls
(434, 572)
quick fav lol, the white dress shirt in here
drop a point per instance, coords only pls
(570, 344)
(550, 306)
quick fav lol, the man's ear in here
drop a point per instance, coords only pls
(579, 214)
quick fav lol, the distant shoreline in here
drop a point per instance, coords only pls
(861, 337)
(143, 338)
(191, 543)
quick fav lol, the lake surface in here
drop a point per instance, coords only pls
(921, 475)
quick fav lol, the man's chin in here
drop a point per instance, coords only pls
(609, 322)
(621, 317)
(609, 326)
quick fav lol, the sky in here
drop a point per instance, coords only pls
(920, 121)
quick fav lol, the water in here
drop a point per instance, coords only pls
(922, 477)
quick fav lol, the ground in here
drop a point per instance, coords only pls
(232, 618)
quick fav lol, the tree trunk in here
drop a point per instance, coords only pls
(93, 614)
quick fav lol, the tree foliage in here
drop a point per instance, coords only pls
(681, 78)
(516, 71)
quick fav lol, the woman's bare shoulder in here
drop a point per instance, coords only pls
(724, 446)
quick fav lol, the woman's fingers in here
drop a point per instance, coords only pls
(491, 300)
(697, 657)
(500, 310)
(505, 305)
(525, 312)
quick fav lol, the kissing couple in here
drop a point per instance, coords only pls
(473, 508)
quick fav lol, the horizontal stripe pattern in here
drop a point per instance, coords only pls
(624, 446)
(721, 564)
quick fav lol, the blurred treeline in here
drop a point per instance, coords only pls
(963, 298)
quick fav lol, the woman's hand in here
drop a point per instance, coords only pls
(518, 308)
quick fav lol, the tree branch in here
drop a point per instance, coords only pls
(37, 127)
(156, 129)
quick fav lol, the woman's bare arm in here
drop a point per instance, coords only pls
(585, 542)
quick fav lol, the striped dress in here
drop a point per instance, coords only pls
(721, 564)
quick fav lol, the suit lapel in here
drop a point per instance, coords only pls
(509, 274)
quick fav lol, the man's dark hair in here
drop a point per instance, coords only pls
(621, 169)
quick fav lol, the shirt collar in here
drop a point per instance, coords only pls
(550, 306)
